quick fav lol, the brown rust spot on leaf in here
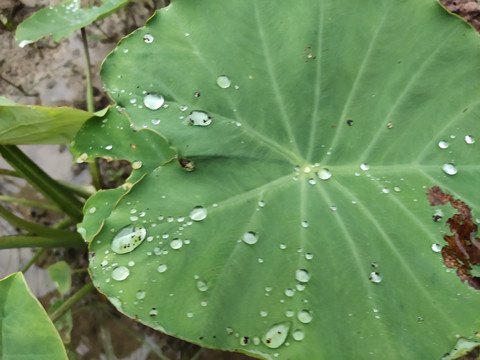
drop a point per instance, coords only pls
(463, 248)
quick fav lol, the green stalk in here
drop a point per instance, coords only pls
(42, 181)
(33, 259)
(32, 203)
(9, 173)
(31, 227)
(62, 309)
(96, 178)
(72, 240)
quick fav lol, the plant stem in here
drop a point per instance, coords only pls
(33, 259)
(57, 314)
(29, 202)
(51, 189)
(9, 173)
(71, 240)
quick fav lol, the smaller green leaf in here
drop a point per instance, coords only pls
(27, 332)
(62, 20)
(64, 324)
(61, 276)
(26, 124)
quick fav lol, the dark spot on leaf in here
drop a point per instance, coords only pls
(463, 248)
(268, 340)
(245, 340)
(187, 164)
(436, 218)
(197, 94)
(350, 122)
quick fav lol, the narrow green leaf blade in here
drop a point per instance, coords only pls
(20, 310)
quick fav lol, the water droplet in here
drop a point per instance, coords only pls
(162, 268)
(442, 144)
(304, 316)
(202, 286)
(153, 101)
(263, 314)
(436, 248)
(324, 174)
(261, 203)
(333, 208)
(224, 81)
(449, 169)
(109, 147)
(289, 313)
(198, 213)
(289, 292)
(396, 189)
(199, 118)
(140, 294)
(156, 121)
(176, 243)
(309, 256)
(276, 335)
(120, 273)
(302, 275)
(148, 38)
(137, 165)
(300, 287)
(92, 210)
(127, 239)
(153, 312)
(283, 246)
(385, 190)
(24, 43)
(250, 238)
(304, 224)
(364, 167)
(312, 181)
(375, 277)
(469, 139)
(298, 335)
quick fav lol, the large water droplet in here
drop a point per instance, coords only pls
(127, 239)
(442, 144)
(436, 248)
(198, 213)
(449, 169)
(199, 118)
(302, 275)
(162, 268)
(469, 139)
(364, 166)
(250, 238)
(176, 243)
(304, 316)
(224, 81)
(202, 286)
(375, 277)
(153, 101)
(298, 335)
(120, 273)
(324, 174)
(148, 38)
(276, 335)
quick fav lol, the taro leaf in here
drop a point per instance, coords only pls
(27, 332)
(314, 129)
(61, 276)
(62, 20)
(27, 124)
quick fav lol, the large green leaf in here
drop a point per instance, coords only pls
(321, 124)
(29, 124)
(27, 332)
(62, 20)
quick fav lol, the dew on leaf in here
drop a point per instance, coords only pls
(148, 38)
(302, 275)
(436, 248)
(276, 335)
(250, 238)
(364, 166)
(449, 169)
(137, 165)
(224, 81)
(324, 174)
(309, 256)
(162, 268)
(202, 286)
(176, 243)
(128, 239)
(153, 312)
(442, 144)
(153, 101)
(289, 292)
(199, 118)
(140, 294)
(198, 213)
(120, 273)
(298, 335)
(155, 121)
(469, 139)
(375, 277)
(304, 224)
(304, 316)
(108, 147)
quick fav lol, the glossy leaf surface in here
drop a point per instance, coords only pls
(303, 231)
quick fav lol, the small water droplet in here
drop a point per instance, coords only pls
(199, 118)
(312, 181)
(261, 203)
(140, 294)
(224, 81)
(176, 243)
(289, 292)
(333, 208)
(289, 313)
(276, 335)
(304, 316)
(109, 147)
(385, 190)
(298, 335)
(263, 314)
(442, 144)
(137, 165)
(120, 273)
(202, 286)
(189, 314)
(436, 248)
(304, 224)
(92, 210)
(449, 169)
(198, 213)
(156, 121)
(162, 268)
(128, 239)
(375, 277)
(309, 256)
(250, 238)
(469, 139)
(302, 275)
(396, 189)
(153, 312)
(364, 166)
(324, 174)
(148, 38)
